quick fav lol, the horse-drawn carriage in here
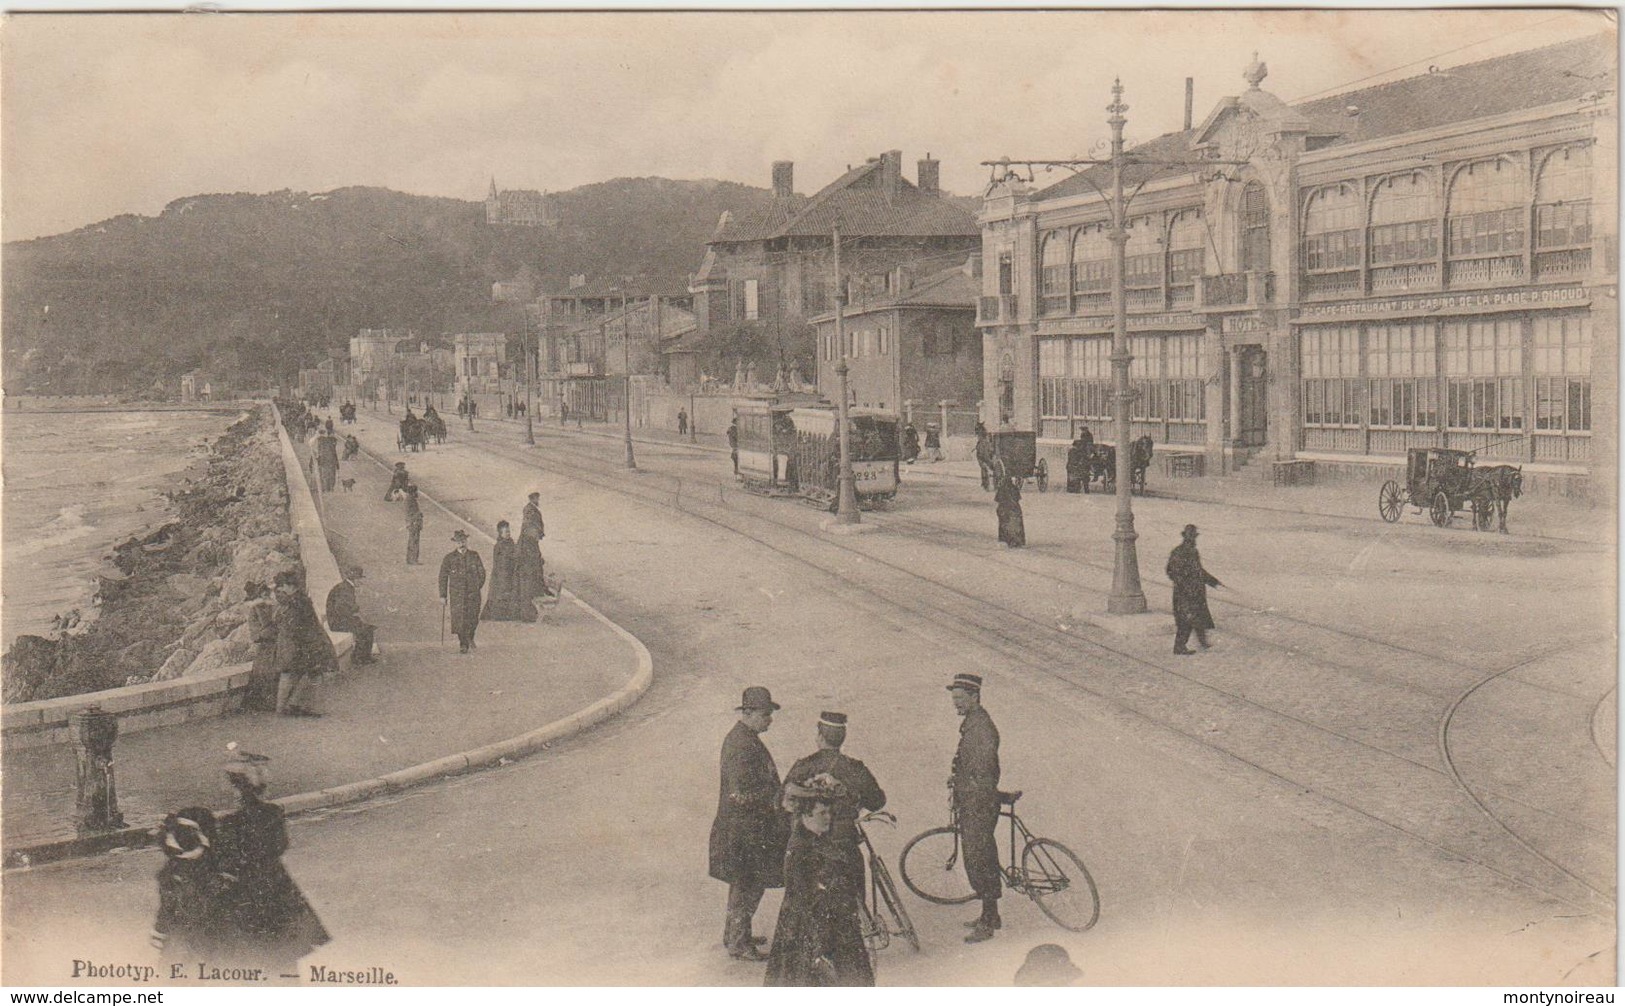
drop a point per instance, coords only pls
(790, 451)
(1445, 482)
(434, 426)
(413, 435)
(1102, 465)
(1012, 454)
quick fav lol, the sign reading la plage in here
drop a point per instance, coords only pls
(1450, 302)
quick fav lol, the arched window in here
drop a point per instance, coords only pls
(1054, 273)
(1255, 229)
(1404, 234)
(1487, 206)
(1332, 227)
(1187, 257)
(1563, 214)
(1143, 265)
(1092, 267)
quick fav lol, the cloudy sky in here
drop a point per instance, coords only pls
(121, 113)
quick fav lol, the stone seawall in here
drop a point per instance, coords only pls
(173, 632)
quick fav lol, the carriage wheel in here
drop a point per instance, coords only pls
(1440, 511)
(1389, 502)
(1483, 512)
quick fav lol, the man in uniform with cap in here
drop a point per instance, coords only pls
(1191, 582)
(860, 790)
(750, 832)
(397, 481)
(975, 788)
(462, 574)
(414, 524)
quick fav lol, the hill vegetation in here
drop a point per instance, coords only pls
(254, 286)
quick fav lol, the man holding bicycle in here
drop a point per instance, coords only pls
(974, 787)
(860, 790)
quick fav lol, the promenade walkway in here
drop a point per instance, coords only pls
(420, 702)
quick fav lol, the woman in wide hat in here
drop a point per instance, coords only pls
(818, 940)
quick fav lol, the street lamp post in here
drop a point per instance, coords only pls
(1127, 597)
(847, 504)
(530, 429)
(626, 364)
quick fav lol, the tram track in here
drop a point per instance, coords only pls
(1301, 754)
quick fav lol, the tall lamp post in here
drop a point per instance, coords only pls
(530, 429)
(626, 387)
(847, 505)
(1126, 597)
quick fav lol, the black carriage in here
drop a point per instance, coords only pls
(1014, 453)
(434, 426)
(412, 436)
(790, 451)
(1103, 464)
(1441, 482)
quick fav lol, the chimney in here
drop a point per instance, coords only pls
(928, 176)
(784, 173)
(891, 173)
(1190, 97)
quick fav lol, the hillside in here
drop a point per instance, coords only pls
(252, 284)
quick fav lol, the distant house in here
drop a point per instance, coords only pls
(480, 359)
(919, 343)
(775, 268)
(519, 208)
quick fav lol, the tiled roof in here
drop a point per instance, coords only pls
(1497, 86)
(857, 202)
(1520, 80)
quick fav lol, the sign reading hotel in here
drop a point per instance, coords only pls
(1456, 302)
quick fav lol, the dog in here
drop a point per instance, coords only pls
(348, 484)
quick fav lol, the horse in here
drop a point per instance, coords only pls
(412, 435)
(1505, 484)
(434, 426)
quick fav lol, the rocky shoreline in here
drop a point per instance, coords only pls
(175, 601)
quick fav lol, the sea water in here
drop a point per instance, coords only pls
(76, 484)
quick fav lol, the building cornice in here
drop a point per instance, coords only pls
(1455, 131)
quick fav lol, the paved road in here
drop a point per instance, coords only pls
(1288, 808)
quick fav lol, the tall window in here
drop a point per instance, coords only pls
(1054, 274)
(1184, 366)
(1187, 257)
(1563, 199)
(752, 300)
(1562, 369)
(1483, 364)
(1255, 229)
(1402, 390)
(1092, 267)
(1404, 234)
(1142, 264)
(1332, 224)
(1330, 361)
(1486, 223)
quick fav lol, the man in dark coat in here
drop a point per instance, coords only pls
(1191, 582)
(414, 524)
(733, 444)
(462, 574)
(1007, 507)
(859, 790)
(327, 458)
(1079, 461)
(344, 615)
(750, 832)
(532, 584)
(975, 788)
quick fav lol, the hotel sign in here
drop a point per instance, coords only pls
(1450, 303)
(1243, 324)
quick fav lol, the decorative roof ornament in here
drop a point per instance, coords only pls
(1255, 72)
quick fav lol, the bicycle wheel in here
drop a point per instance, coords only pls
(1059, 883)
(904, 926)
(930, 865)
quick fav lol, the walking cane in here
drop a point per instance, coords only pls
(444, 601)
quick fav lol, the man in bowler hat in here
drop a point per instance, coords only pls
(462, 574)
(975, 788)
(1191, 582)
(749, 835)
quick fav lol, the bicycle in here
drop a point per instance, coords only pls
(882, 895)
(1050, 873)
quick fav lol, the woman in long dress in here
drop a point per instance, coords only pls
(532, 582)
(504, 602)
(194, 897)
(271, 918)
(818, 939)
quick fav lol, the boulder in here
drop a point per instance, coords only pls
(176, 665)
(220, 653)
(187, 584)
